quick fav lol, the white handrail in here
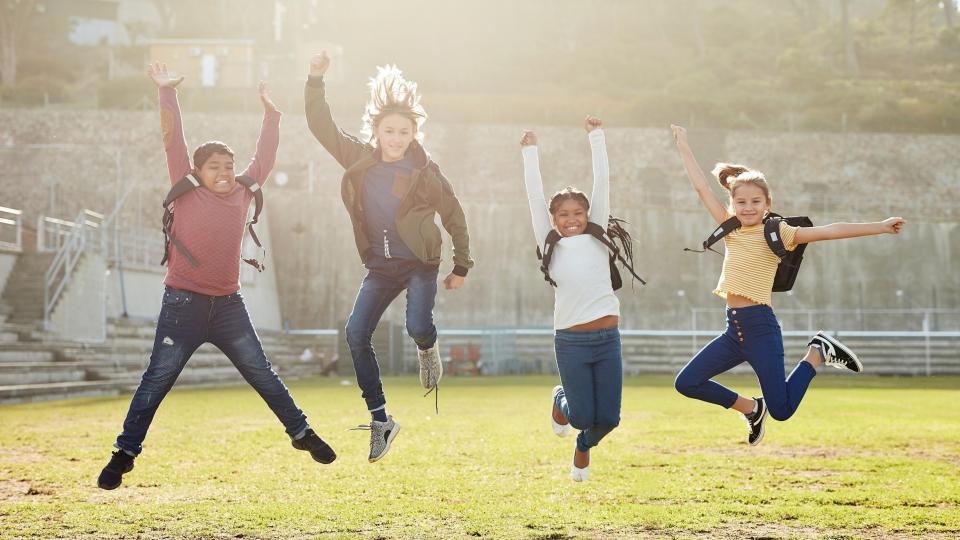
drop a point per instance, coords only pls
(61, 269)
(12, 218)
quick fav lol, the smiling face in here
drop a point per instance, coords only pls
(394, 133)
(749, 203)
(570, 218)
(216, 173)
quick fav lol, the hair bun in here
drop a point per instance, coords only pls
(723, 171)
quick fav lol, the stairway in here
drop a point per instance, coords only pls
(23, 293)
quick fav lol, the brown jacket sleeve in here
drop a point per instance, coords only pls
(453, 219)
(344, 148)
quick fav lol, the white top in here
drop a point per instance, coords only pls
(581, 263)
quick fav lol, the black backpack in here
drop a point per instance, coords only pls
(790, 261)
(600, 234)
(187, 184)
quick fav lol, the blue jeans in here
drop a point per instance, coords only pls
(385, 280)
(752, 335)
(591, 372)
(188, 320)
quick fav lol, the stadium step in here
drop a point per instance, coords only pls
(61, 390)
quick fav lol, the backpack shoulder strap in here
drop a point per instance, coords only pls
(183, 186)
(600, 234)
(725, 228)
(254, 188)
(771, 233)
(552, 238)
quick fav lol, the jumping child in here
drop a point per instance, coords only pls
(202, 301)
(392, 191)
(753, 333)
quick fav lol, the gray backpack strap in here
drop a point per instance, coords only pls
(183, 186)
(254, 187)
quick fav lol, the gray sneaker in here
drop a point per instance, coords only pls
(431, 368)
(381, 435)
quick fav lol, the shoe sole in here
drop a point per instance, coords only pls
(560, 430)
(845, 349)
(763, 426)
(390, 437)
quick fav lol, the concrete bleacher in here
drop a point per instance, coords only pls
(36, 366)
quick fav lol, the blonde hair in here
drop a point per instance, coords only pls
(390, 93)
(731, 176)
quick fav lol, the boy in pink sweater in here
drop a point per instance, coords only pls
(202, 301)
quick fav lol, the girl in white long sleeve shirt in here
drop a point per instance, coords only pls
(586, 311)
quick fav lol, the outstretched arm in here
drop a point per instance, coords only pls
(600, 197)
(269, 140)
(709, 199)
(836, 231)
(344, 148)
(531, 176)
(171, 125)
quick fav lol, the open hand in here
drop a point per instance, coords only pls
(893, 225)
(528, 138)
(679, 134)
(591, 123)
(268, 104)
(158, 72)
(319, 63)
(453, 281)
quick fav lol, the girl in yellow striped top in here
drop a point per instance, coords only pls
(753, 333)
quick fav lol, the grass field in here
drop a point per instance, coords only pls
(864, 457)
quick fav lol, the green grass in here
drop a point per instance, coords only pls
(863, 458)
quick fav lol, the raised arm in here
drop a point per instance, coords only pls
(344, 148)
(269, 140)
(600, 197)
(836, 231)
(531, 177)
(709, 199)
(171, 125)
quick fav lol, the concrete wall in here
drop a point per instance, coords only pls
(80, 314)
(7, 260)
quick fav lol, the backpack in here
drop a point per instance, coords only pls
(187, 184)
(600, 234)
(790, 261)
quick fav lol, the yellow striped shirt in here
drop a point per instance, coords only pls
(749, 265)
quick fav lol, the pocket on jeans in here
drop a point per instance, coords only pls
(176, 298)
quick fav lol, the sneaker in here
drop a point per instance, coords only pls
(836, 354)
(756, 422)
(431, 368)
(579, 475)
(319, 450)
(561, 430)
(112, 475)
(381, 435)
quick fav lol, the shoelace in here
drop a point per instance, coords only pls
(361, 427)
(436, 396)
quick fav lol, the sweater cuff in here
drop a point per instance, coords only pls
(596, 136)
(315, 81)
(460, 270)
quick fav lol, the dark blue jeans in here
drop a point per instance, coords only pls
(752, 335)
(188, 320)
(591, 372)
(385, 280)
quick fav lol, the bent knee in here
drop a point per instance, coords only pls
(779, 412)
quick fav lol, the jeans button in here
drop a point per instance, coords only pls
(733, 312)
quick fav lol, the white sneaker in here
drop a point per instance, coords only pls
(561, 430)
(431, 368)
(381, 435)
(579, 475)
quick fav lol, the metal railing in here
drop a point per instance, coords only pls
(11, 229)
(53, 233)
(72, 243)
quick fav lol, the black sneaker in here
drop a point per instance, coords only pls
(112, 475)
(755, 421)
(319, 450)
(836, 354)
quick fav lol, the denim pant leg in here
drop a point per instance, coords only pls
(232, 332)
(181, 328)
(576, 376)
(695, 379)
(376, 293)
(421, 296)
(607, 391)
(764, 351)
